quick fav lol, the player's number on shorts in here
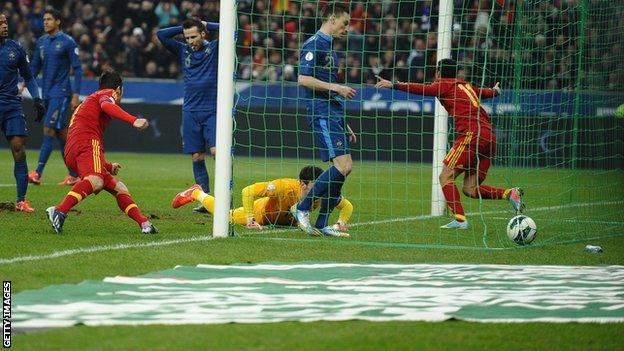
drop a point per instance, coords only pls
(467, 88)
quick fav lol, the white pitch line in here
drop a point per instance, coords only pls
(422, 217)
(575, 221)
(103, 248)
(4, 261)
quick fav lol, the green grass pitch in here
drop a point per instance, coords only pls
(390, 224)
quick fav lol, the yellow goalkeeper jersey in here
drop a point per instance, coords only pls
(274, 200)
(270, 202)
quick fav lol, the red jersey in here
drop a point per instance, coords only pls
(461, 100)
(89, 120)
(92, 116)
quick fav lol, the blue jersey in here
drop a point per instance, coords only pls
(199, 69)
(14, 60)
(319, 61)
(56, 54)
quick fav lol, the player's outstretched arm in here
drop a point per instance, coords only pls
(486, 93)
(140, 124)
(432, 89)
(383, 83)
(317, 84)
(117, 112)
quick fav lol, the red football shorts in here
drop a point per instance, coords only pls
(470, 154)
(87, 158)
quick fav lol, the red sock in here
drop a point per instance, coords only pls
(491, 192)
(126, 204)
(78, 192)
(453, 201)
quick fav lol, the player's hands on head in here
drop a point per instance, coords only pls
(39, 109)
(497, 89)
(115, 168)
(140, 124)
(347, 92)
(254, 225)
(383, 83)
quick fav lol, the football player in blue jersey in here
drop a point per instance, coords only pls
(14, 63)
(55, 54)
(325, 103)
(198, 58)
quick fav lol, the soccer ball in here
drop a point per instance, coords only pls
(619, 112)
(521, 229)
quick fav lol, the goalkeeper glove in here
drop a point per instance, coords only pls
(39, 109)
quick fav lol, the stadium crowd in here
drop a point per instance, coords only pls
(395, 39)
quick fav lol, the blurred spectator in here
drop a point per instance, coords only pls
(398, 40)
(34, 16)
(151, 70)
(167, 13)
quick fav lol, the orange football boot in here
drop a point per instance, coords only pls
(185, 197)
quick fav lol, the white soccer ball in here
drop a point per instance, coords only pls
(521, 229)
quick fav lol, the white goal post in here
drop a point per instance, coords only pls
(225, 111)
(440, 124)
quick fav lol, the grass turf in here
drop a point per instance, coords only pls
(390, 224)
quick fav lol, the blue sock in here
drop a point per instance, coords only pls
(62, 148)
(44, 154)
(331, 179)
(201, 175)
(327, 206)
(20, 170)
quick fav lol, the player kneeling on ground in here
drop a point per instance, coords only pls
(269, 203)
(84, 153)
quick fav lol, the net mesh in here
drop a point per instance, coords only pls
(561, 67)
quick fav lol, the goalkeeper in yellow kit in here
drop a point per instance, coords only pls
(268, 203)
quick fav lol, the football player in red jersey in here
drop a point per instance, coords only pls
(475, 145)
(84, 153)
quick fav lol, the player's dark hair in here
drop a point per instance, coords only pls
(56, 14)
(334, 9)
(193, 22)
(309, 174)
(110, 80)
(447, 68)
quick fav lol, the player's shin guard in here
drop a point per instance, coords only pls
(44, 153)
(20, 171)
(453, 200)
(201, 175)
(129, 207)
(78, 192)
(491, 192)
